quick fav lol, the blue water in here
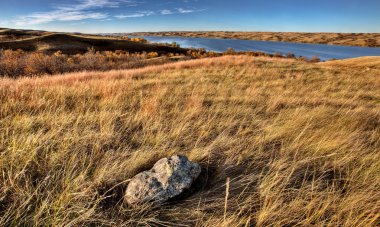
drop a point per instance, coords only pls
(324, 52)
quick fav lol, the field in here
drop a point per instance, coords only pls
(297, 143)
(347, 39)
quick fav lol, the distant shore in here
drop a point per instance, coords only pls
(346, 39)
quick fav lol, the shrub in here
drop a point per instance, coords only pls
(315, 59)
(371, 42)
(19, 63)
(302, 58)
(278, 55)
(92, 60)
(230, 51)
(11, 62)
(38, 63)
(139, 40)
(174, 44)
(152, 55)
(290, 55)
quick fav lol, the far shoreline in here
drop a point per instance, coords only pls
(341, 39)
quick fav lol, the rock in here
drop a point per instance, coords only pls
(168, 178)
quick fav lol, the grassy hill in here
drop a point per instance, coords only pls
(72, 44)
(299, 144)
(16, 34)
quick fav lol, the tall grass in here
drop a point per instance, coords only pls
(299, 143)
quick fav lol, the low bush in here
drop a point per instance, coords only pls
(19, 63)
(315, 59)
(290, 55)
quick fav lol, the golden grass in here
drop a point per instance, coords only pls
(347, 39)
(299, 143)
(366, 62)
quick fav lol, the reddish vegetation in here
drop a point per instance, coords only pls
(20, 63)
(15, 63)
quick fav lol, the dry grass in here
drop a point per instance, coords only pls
(370, 62)
(347, 39)
(299, 143)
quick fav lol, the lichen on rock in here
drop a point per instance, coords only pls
(168, 178)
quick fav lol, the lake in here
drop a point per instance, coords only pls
(324, 52)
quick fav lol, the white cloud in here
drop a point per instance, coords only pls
(166, 12)
(92, 4)
(137, 14)
(162, 12)
(46, 17)
(73, 12)
(89, 9)
(181, 10)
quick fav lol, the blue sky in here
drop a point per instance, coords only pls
(180, 15)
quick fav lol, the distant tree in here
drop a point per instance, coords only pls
(371, 42)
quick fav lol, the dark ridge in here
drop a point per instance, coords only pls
(73, 44)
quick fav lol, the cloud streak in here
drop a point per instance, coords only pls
(73, 12)
(160, 12)
(166, 12)
(92, 9)
(180, 11)
(134, 15)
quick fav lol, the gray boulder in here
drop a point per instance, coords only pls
(168, 178)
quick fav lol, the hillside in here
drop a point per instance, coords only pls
(347, 39)
(299, 143)
(72, 44)
(16, 34)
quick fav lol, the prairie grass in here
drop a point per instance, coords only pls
(281, 142)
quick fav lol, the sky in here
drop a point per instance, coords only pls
(106, 16)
